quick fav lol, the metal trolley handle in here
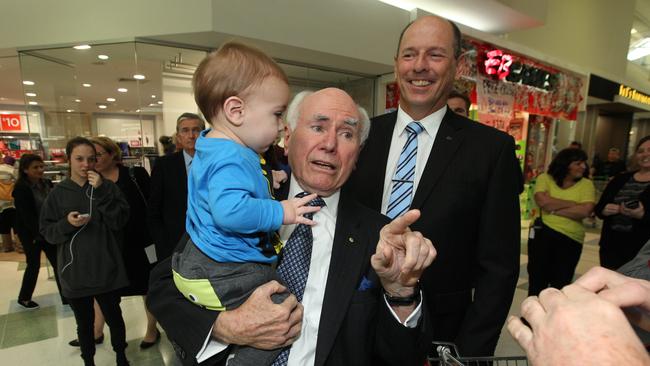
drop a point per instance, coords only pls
(447, 358)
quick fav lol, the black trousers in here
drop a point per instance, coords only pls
(552, 260)
(33, 250)
(84, 314)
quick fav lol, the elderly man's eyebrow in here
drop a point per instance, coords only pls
(321, 118)
(351, 122)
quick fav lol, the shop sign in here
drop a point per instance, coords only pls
(10, 122)
(506, 67)
(498, 63)
(629, 93)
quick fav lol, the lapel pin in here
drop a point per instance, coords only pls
(449, 138)
(351, 240)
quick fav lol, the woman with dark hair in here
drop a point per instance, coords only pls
(626, 225)
(83, 216)
(29, 193)
(564, 198)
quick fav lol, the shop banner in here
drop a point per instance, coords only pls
(495, 103)
(10, 122)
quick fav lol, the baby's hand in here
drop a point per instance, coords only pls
(294, 208)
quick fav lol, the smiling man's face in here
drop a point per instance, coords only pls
(425, 66)
(324, 146)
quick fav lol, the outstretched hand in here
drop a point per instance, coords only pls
(402, 254)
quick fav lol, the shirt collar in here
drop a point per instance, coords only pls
(331, 202)
(430, 122)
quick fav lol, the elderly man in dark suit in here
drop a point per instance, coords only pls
(462, 176)
(168, 199)
(361, 303)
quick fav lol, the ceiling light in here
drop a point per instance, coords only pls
(110, 99)
(153, 96)
(34, 114)
(160, 102)
(86, 85)
(102, 57)
(101, 106)
(122, 90)
(69, 110)
(153, 105)
(82, 47)
(78, 100)
(30, 94)
(639, 49)
(632, 31)
(406, 5)
(3, 98)
(27, 82)
(33, 103)
(137, 111)
(138, 77)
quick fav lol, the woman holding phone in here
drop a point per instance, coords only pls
(83, 216)
(626, 222)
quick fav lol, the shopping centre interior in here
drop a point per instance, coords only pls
(561, 71)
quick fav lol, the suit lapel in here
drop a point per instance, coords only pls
(180, 163)
(447, 142)
(348, 254)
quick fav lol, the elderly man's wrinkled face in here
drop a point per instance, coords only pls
(324, 146)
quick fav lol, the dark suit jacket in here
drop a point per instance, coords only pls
(355, 327)
(167, 203)
(468, 196)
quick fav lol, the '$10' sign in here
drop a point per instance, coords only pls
(498, 63)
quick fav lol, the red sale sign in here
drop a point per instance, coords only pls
(10, 122)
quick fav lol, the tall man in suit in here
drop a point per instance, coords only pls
(361, 302)
(168, 200)
(465, 180)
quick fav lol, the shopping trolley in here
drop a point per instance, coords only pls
(448, 356)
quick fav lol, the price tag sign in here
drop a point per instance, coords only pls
(10, 122)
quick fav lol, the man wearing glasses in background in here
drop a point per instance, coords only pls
(168, 200)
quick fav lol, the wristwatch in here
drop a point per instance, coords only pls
(405, 300)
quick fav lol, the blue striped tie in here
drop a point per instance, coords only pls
(401, 194)
(294, 266)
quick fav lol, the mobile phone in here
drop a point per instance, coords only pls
(81, 216)
(631, 204)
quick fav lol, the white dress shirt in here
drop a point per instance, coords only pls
(188, 161)
(431, 124)
(303, 350)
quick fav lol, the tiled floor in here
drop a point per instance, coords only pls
(40, 337)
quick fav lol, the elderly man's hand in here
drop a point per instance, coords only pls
(402, 255)
(259, 322)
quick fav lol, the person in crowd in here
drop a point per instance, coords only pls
(575, 145)
(84, 216)
(583, 324)
(360, 304)
(7, 209)
(465, 179)
(609, 168)
(135, 184)
(459, 103)
(29, 194)
(626, 224)
(168, 145)
(168, 200)
(565, 198)
(231, 217)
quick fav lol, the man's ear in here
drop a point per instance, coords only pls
(233, 110)
(287, 137)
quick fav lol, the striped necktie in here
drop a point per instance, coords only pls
(401, 194)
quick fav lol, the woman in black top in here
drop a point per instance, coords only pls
(29, 194)
(626, 226)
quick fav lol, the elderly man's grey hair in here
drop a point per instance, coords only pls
(293, 114)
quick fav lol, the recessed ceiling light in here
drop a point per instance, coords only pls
(3, 98)
(30, 94)
(102, 57)
(101, 106)
(153, 96)
(33, 103)
(86, 85)
(139, 77)
(82, 47)
(27, 82)
(160, 102)
(34, 114)
(69, 110)
(153, 105)
(137, 111)
(110, 99)
(632, 31)
(122, 90)
(78, 100)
